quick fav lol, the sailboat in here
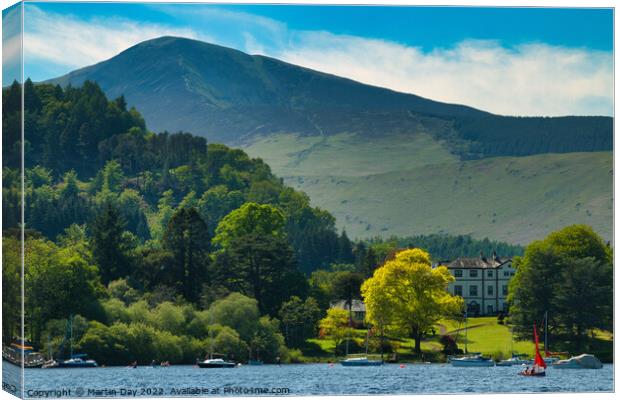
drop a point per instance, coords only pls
(515, 359)
(75, 360)
(538, 369)
(471, 360)
(549, 358)
(361, 361)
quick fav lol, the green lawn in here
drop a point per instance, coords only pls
(484, 335)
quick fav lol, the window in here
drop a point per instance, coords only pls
(512, 273)
(490, 290)
(505, 290)
(506, 273)
(458, 272)
(490, 274)
(489, 309)
(473, 273)
(458, 290)
(473, 290)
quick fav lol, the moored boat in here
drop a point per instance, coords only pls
(514, 360)
(216, 363)
(20, 352)
(584, 361)
(77, 361)
(472, 360)
(360, 362)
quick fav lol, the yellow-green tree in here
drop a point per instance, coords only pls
(335, 326)
(407, 294)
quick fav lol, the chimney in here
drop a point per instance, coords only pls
(495, 256)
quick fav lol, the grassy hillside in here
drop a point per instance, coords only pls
(406, 186)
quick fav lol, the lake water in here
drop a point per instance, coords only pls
(308, 379)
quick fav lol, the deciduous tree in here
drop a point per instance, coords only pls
(407, 294)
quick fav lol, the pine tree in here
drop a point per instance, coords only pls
(187, 238)
(109, 244)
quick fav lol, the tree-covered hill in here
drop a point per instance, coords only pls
(83, 151)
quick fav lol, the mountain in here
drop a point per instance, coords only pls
(366, 153)
(232, 97)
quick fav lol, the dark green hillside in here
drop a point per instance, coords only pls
(233, 97)
(84, 151)
(494, 135)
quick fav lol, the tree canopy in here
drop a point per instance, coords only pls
(569, 275)
(406, 294)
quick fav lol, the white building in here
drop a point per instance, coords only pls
(482, 282)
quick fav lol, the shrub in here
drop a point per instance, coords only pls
(238, 312)
(498, 355)
(449, 345)
(354, 347)
(293, 356)
(228, 343)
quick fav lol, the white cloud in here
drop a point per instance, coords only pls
(71, 42)
(530, 79)
(11, 45)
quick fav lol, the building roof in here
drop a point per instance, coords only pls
(478, 262)
(356, 305)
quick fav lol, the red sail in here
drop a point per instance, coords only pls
(538, 360)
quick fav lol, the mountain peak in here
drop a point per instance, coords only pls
(229, 96)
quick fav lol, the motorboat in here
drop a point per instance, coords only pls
(77, 361)
(584, 361)
(216, 363)
(475, 360)
(21, 352)
(360, 362)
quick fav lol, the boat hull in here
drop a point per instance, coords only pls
(213, 365)
(80, 365)
(466, 363)
(537, 374)
(368, 363)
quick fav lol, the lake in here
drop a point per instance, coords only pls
(306, 379)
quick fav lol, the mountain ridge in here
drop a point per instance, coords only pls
(309, 126)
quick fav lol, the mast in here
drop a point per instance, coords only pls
(466, 332)
(546, 327)
(71, 335)
(512, 350)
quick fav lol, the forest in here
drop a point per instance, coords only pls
(162, 245)
(494, 135)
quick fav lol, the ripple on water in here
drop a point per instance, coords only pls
(320, 379)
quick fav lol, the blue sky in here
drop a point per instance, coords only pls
(546, 61)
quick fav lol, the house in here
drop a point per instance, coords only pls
(482, 283)
(358, 308)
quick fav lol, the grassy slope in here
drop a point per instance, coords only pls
(398, 185)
